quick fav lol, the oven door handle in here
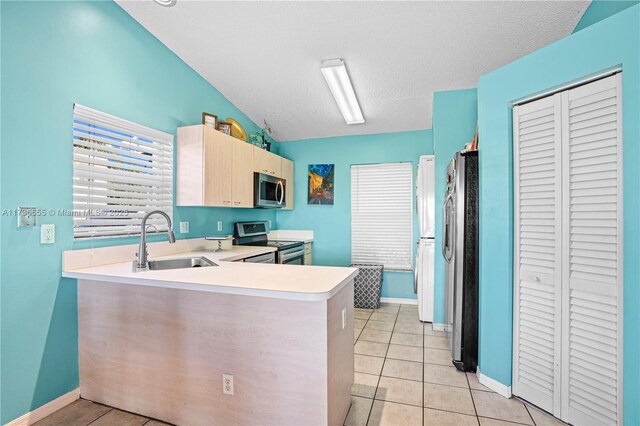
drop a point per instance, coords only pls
(292, 255)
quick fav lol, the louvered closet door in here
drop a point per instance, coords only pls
(592, 271)
(537, 338)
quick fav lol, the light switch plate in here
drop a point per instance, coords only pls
(184, 227)
(26, 217)
(47, 234)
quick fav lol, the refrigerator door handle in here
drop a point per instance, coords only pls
(445, 234)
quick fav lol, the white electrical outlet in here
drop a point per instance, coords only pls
(227, 384)
(47, 234)
(270, 225)
(184, 227)
(219, 226)
(344, 317)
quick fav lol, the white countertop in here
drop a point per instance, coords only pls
(297, 282)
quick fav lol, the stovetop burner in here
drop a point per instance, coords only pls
(255, 234)
(281, 245)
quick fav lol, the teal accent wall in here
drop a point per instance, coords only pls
(455, 114)
(52, 55)
(602, 9)
(332, 224)
(611, 42)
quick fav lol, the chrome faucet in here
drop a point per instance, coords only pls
(141, 263)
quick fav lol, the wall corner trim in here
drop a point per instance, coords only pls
(399, 300)
(493, 384)
(49, 408)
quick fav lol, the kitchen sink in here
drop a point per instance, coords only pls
(180, 263)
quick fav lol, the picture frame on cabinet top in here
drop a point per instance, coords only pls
(210, 120)
(224, 127)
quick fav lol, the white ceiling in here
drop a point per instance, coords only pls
(265, 56)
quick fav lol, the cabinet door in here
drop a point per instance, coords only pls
(537, 252)
(287, 174)
(189, 180)
(592, 275)
(266, 162)
(242, 175)
(218, 158)
(308, 255)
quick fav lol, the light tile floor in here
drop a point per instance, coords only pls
(83, 413)
(404, 376)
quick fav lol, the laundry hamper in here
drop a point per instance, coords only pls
(367, 285)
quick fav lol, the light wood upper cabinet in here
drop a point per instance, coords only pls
(266, 162)
(216, 170)
(218, 158)
(242, 178)
(287, 174)
(204, 167)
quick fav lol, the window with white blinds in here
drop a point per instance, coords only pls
(382, 214)
(121, 171)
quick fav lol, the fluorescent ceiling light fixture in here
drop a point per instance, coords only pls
(166, 3)
(335, 73)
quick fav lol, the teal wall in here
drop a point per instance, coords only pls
(332, 224)
(52, 55)
(608, 43)
(455, 114)
(602, 9)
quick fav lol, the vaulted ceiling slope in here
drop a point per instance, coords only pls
(265, 56)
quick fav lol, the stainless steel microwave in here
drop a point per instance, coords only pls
(268, 191)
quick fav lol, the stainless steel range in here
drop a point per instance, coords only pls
(255, 234)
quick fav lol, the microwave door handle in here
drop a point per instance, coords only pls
(281, 186)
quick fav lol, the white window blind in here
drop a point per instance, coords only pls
(382, 214)
(121, 171)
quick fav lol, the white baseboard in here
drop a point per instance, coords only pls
(49, 408)
(493, 384)
(399, 300)
(438, 327)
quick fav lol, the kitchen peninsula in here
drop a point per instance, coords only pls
(158, 342)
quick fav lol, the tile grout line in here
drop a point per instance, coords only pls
(473, 401)
(503, 420)
(101, 415)
(354, 344)
(383, 363)
(529, 412)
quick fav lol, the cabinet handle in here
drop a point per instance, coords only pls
(226, 202)
(535, 278)
(236, 202)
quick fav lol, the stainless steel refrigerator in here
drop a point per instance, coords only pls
(425, 206)
(460, 251)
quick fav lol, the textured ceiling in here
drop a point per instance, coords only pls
(265, 56)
